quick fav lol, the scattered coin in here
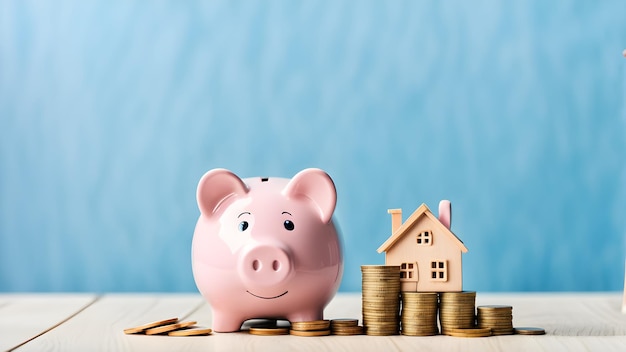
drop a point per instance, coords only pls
(190, 332)
(529, 331)
(269, 331)
(167, 328)
(142, 328)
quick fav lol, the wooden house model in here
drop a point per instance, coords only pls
(427, 251)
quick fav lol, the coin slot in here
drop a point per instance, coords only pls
(265, 179)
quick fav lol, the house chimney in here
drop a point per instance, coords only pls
(396, 219)
(445, 213)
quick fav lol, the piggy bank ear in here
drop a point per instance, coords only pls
(318, 187)
(215, 187)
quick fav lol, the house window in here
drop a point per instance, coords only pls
(425, 238)
(438, 270)
(406, 270)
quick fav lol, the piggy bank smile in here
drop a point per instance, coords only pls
(257, 296)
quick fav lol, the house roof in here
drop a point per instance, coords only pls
(422, 210)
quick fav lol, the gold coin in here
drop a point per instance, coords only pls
(190, 332)
(310, 325)
(410, 304)
(496, 326)
(369, 318)
(419, 309)
(495, 322)
(309, 333)
(457, 293)
(457, 304)
(406, 316)
(413, 298)
(529, 331)
(494, 307)
(455, 319)
(375, 332)
(348, 330)
(432, 333)
(380, 267)
(381, 303)
(420, 320)
(494, 314)
(422, 330)
(269, 331)
(384, 329)
(407, 322)
(171, 327)
(380, 296)
(419, 304)
(391, 289)
(495, 332)
(473, 332)
(154, 324)
(344, 322)
(495, 317)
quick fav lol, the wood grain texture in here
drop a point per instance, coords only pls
(101, 325)
(26, 316)
(573, 322)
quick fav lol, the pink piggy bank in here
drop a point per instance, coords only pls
(266, 247)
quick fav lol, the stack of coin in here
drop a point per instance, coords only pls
(268, 331)
(381, 299)
(310, 328)
(345, 327)
(456, 310)
(498, 318)
(473, 332)
(419, 313)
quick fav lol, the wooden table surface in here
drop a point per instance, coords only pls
(88, 322)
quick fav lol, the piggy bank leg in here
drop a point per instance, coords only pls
(307, 315)
(226, 322)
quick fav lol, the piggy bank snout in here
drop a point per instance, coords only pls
(264, 265)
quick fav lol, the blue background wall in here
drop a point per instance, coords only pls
(110, 111)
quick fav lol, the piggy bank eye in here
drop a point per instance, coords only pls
(243, 226)
(289, 225)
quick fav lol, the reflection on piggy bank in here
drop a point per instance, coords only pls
(266, 247)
